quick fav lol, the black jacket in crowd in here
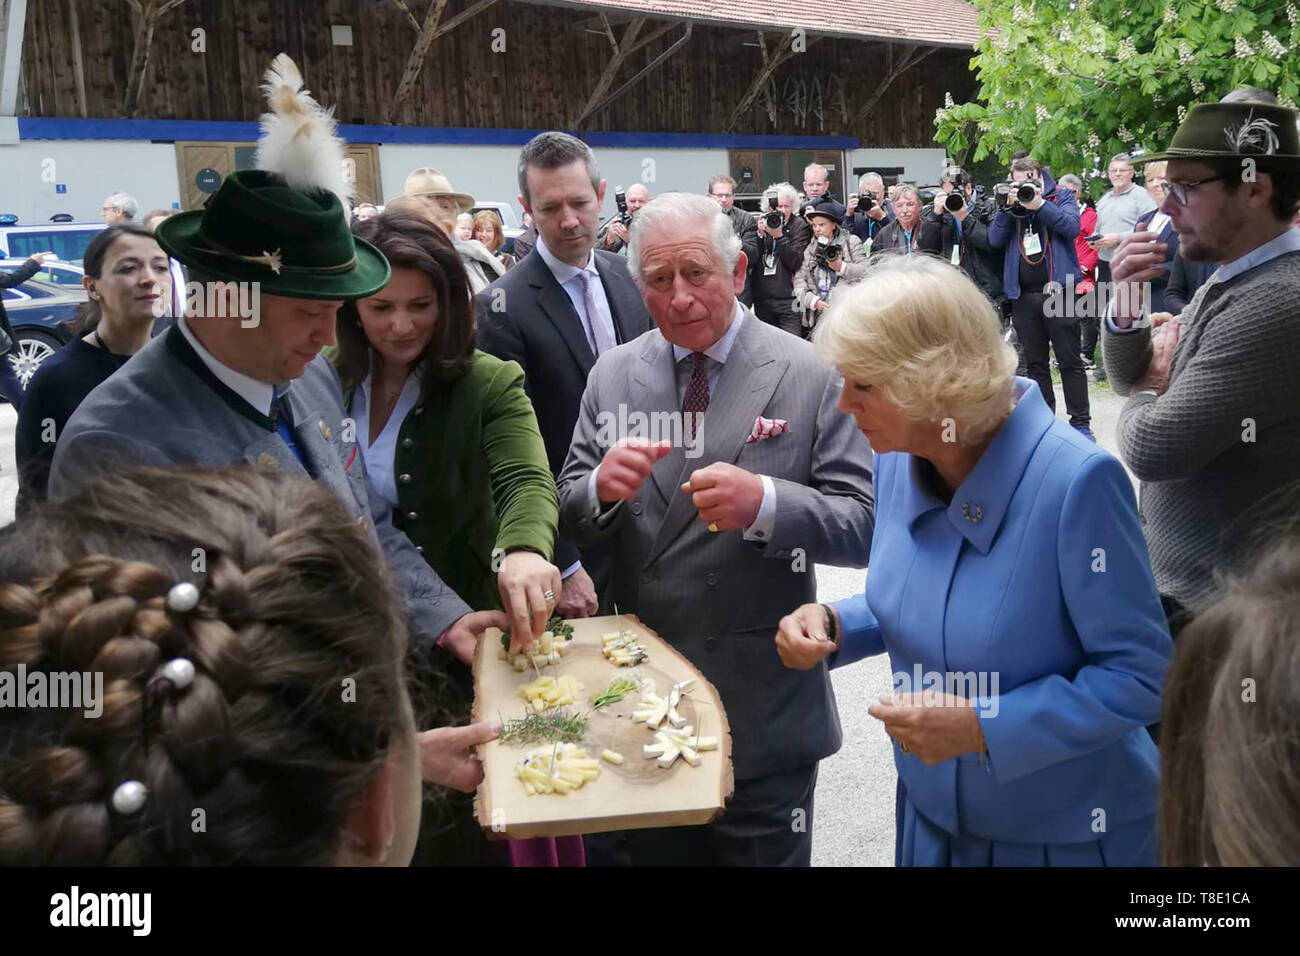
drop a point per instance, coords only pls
(866, 228)
(979, 258)
(777, 290)
(745, 226)
(892, 239)
(1184, 279)
(7, 281)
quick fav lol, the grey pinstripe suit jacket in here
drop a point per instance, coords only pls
(717, 597)
(165, 407)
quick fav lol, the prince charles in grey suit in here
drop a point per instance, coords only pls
(715, 535)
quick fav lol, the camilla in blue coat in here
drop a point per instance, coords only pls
(1009, 583)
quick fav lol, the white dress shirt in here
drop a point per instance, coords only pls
(258, 394)
(567, 276)
(381, 451)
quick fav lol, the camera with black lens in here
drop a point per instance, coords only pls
(1026, 191)
(620, 200)
(773, 216)
(954, 201)
(828, 250)
(1011, 197)
(866, 202)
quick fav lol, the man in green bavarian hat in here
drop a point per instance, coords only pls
(1212, 424)
(239, 378)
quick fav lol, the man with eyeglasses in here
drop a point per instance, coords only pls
(1212, 424)
(1118, 211)
(119, 207)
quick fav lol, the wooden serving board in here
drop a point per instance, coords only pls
(635, 795)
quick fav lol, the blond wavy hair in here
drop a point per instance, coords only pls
(922, 333)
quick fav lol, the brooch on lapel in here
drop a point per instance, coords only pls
(765, 428)
(268, 462)
(975, 518)
(325, 431)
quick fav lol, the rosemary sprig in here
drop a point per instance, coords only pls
(560, 725)
(615, 690)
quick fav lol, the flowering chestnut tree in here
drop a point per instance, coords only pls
(1076, 81)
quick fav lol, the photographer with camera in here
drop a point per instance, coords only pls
(614, 238)
(833, 257)
(868, 210)
(1035, 226)
(782, 239)
(963, 219)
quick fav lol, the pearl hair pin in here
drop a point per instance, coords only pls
(179, 671)
(183, 597)
(129, 797)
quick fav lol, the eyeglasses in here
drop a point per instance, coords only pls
(1178, 191)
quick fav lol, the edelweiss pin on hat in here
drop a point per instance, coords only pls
(1212, 131)
(283, 224)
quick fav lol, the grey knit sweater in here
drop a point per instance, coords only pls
(1218, 454)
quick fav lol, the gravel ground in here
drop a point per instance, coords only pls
(854, 810)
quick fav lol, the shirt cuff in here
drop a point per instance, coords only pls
(593, 501)
(571, 570)
(761, 530)
(1110, 322)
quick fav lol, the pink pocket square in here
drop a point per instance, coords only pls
(765, 428)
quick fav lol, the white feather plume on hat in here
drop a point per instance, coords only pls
(299, 141)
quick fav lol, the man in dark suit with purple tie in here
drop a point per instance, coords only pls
(555, 312)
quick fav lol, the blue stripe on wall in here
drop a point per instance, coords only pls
(69, 128)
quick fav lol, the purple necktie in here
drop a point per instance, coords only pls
(601, 341)
(696, 402)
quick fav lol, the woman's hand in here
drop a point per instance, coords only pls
(524, 580)
(801, 638)
(931, 727)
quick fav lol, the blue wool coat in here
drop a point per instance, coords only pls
(1036, 577)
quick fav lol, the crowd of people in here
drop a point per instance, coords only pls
(400, 444)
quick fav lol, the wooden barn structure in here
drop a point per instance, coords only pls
(774, 83)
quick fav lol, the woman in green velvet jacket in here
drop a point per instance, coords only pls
(451, 442)
(448, 432)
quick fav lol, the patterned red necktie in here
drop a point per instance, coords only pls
(696, 402)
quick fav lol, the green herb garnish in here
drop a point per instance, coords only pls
(615, 690)
(560, 725)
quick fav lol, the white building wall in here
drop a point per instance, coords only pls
(91, 169)
(920, 166)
